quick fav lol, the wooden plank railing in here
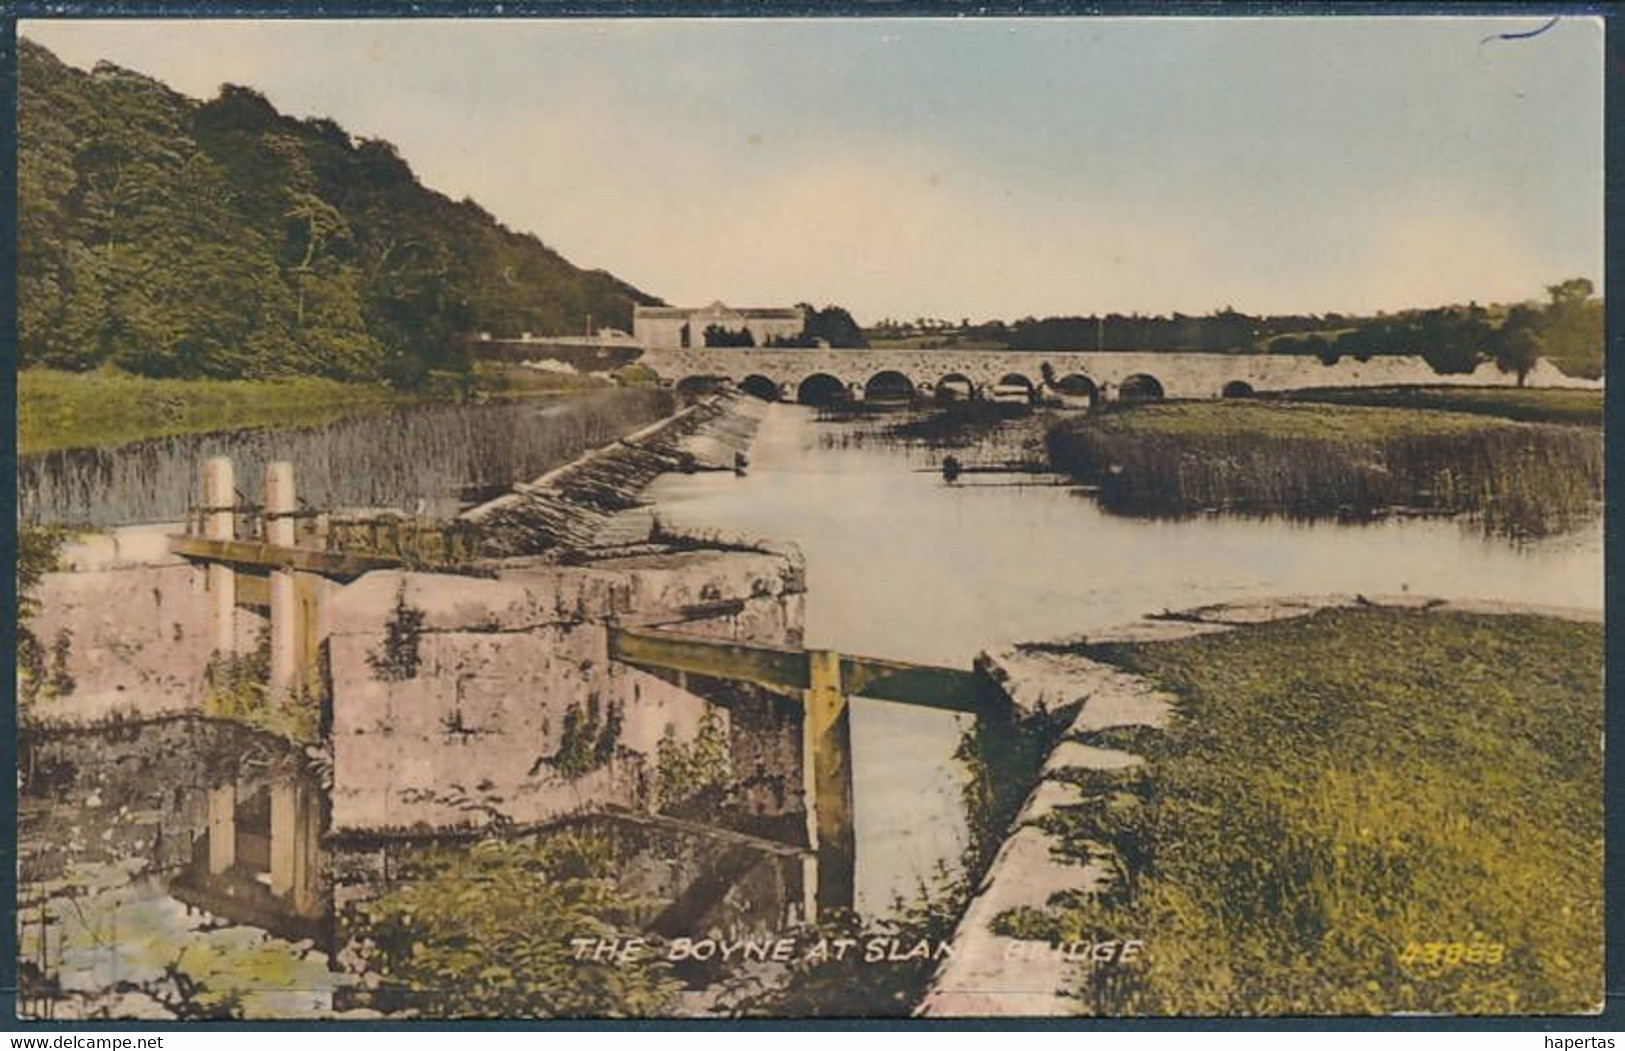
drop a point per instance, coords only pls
(785, 670)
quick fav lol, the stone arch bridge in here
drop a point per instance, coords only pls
(824, 375)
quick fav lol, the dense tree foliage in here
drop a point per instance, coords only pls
(172, 237)
(1571, 328)
(718, 336)
(1453, 339)
(832, 326)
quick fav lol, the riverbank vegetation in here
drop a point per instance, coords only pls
(1567, 330)
(1362, 811)
(390, 456)
(1526, 404)
(1323, 461)
(39, 551)
(57, 409)
(67, 410)
(484, 931)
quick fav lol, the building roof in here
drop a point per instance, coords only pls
(677, 313)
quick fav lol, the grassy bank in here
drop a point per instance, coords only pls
(1322, 461)
(85, 410)
(90, 410)
(440, 453)
(1360, 811)
(1512, 403)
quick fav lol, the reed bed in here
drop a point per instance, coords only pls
(1326, 461)
(431, 455)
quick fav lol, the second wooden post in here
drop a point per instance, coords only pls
(279, 531)
(828, 755)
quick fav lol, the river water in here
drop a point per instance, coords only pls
(901, 564)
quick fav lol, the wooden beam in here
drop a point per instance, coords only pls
(918, 684)
(775, 668)
(253, 591)
(784, 670)
(274, 556)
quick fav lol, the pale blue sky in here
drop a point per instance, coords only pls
(972, 167)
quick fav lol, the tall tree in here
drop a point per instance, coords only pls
(1519, 343)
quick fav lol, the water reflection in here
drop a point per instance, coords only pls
(900, 564)
(170, 869)
(117, 828)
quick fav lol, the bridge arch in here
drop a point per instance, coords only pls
(955, 386)
(888, 385)
(1237, 389)
(698, 386)
(821, 389)
(761, 387)
(1142, 386)
(1077, 385)
(1015, 384)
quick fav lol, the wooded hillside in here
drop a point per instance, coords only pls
(172, 237)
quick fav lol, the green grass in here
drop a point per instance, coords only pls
(1225, 419)
(88, 410)
(517, 381)
(1339, 788)
(84, 410)
(1323, 461)
(1513, 403)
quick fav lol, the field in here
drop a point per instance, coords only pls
(1324, 461)
(84, 410)
(1360, 811)
(89, 410)
(1513, 403)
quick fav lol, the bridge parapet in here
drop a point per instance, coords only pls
(1179, 374)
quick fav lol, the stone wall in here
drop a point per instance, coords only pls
(477, 712)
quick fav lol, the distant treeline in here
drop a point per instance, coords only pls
(832, 326)
(172, 237)
(1567, 329)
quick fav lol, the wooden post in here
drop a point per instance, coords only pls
(219, 523)
(279, 503)
(294, 838)
(827, 755)
(222, 828)
(310, 602)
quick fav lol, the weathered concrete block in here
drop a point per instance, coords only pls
(499, 668)
(146, 544)
(129, 640)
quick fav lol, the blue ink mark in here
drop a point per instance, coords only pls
(1522, 36)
